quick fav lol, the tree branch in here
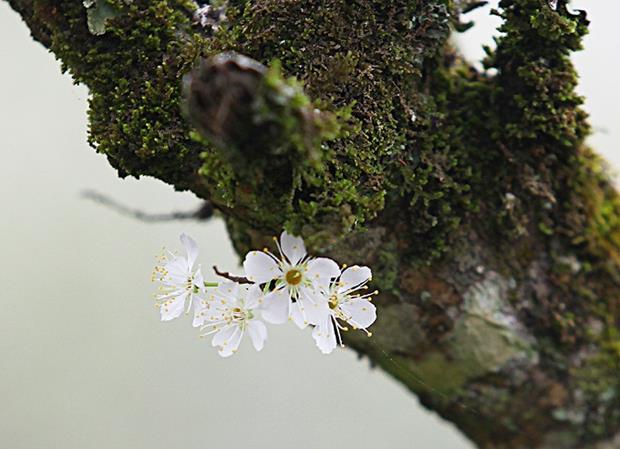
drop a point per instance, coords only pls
(492, 231)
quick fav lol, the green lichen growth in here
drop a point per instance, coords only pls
(484, 340)
(99, 12)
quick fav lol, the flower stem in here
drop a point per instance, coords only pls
(211, 284)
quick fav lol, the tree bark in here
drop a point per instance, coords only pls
(493, 232)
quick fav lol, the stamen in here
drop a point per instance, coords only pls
(339, 337)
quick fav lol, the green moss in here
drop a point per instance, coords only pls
(374, 89)
(598, 382)
(364, 148)
(386, 267)
(134, 72)
(408, 126)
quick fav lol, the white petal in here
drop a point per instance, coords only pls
(297, 316)
(254, 296)
(171, 294)
(191, 248)
(353, 277)
(177, 270)
(360, 312)
(275, 307)
(292, 247)
(322, 270)
(199, 281)
(227, 293)
(258, 333)
(325, 336)
(222, 338)
(313, 307)
(233, 344)
(173, 308)
(260, 268)
(201, 306)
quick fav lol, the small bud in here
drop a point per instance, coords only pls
(219, 94)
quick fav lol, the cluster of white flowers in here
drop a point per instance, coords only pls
(292, 286)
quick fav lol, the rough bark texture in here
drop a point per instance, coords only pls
(493, 232)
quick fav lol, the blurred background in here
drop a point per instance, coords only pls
(85, 362)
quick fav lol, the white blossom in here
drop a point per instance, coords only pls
(348, 302)
(228, 313)
(181, 283)
(298, 281)
(288, 286)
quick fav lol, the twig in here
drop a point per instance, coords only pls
(204, 212)
(239, 279)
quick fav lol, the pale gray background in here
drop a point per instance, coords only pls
(84, 361)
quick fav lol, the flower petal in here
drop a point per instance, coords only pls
(297, 315)
(199, 281)
(293, 248)
(191, 248)
(308, 309)
(276, 306)
(353, 277)
(260, 267)
(222, 338)
(321, 271)
(360, 312)
(258, 333)
(313, 307)
(173, 307)
(177, 270)
(201, 306)
(230, 347)
(325, 336)
(227, 293)
(254, 296)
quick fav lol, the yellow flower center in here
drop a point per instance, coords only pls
(333, 302)
(293, 277)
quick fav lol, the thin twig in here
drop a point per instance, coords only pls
(239, 279)
(205, 211)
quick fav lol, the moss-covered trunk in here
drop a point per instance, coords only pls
(493, 232)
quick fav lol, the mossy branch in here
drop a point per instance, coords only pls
(493, 232)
